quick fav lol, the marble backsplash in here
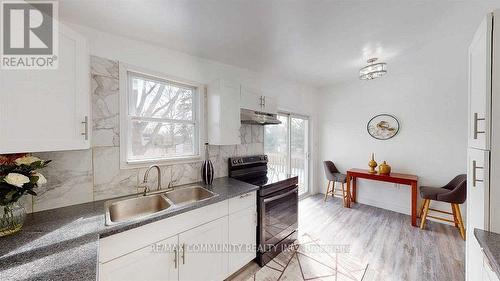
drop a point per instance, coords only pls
(81, 176)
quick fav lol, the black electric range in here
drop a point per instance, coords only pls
(277, 204)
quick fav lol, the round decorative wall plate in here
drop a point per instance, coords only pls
(383, 126)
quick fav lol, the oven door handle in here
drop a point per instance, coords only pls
(281, 195)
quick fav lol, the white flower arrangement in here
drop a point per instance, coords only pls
(16, 179)
(19, 175)
(41, 179)
(27, 160)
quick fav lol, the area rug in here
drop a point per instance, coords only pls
(309, 259)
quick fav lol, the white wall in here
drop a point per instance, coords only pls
(426, 89)
(290, 95)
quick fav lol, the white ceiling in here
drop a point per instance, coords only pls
(310, 41)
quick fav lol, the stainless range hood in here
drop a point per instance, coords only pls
(258, 118)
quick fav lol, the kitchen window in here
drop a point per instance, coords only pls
(161, 121)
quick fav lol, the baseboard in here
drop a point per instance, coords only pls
(403, 209)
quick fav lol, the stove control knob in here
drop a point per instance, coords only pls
(240, 161)
(234, 161)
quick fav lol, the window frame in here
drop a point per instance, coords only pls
(126, 119)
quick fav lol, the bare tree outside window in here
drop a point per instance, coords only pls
(162, 119)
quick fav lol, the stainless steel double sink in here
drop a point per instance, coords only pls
(119, 211)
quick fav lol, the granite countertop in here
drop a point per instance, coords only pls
(490, 242)
(62, 244)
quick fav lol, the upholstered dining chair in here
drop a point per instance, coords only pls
(455, 193)
(333, 175)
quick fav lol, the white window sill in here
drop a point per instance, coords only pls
(136, 164)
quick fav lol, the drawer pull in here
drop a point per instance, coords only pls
(85, 133)
(175, 257)
(183, 256)
(476, 132)
(475, 167)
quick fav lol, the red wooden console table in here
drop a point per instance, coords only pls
(405, 179)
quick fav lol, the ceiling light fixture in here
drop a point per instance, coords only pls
(373, 70)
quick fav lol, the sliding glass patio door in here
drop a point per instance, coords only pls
(287, 146)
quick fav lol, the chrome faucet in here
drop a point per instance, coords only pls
(158, 187)
(146, 175)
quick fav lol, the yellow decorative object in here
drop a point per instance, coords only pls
(372, 164)
(384, 169)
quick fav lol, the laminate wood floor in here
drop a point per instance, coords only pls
(393, 249)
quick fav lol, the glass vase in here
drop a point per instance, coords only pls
(12, 217)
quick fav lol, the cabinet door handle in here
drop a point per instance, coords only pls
(264, 97)
(175, 257)
(261, 102)
(85, 133)
(183, 256)
(476, 119)
(475, 167)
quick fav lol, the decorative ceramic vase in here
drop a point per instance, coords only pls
(384, 169)
(372, 164)
(207, 169)
(12, 218)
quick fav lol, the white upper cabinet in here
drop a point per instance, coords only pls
(480, 52)
(251, 99)
(255, 100)
(223, 113)
(48, 110)
(270, 105)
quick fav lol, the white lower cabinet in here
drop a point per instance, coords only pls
(242, 237)
(196, 250)
(154, 262)
(474, 259)
(201, 254)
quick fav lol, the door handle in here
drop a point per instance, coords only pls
(281, 195)
(475, 167)
(175, 257)
(476, 119)
(85, 122)
(183, 256)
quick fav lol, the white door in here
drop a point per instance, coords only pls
(480, 86)
(242, 235)
(477, 208)
(43, 110)
(201, 253)
(155, 262)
